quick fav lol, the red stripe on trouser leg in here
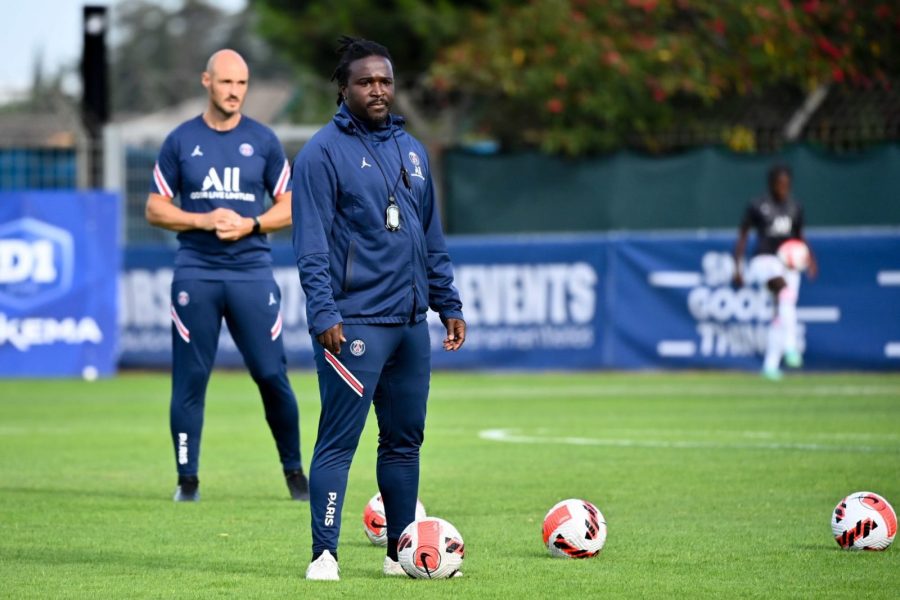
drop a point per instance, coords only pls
(276, 328)
(344, 373)
(179, 326)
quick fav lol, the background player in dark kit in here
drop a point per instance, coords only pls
(372, 260)
(775, 218)
(222, 164)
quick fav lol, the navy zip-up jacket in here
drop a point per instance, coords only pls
(352, 268)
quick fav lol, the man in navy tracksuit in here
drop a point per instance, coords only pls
(222, 164)
(372, 260)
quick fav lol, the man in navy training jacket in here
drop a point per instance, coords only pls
(372, 260)
(222, 164)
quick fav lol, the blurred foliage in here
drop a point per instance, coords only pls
(158, 52)
(576, 76)
(580, 76)
(414, 31)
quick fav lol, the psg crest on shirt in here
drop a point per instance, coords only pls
(417, 165)
(246, 149)
(357, 347)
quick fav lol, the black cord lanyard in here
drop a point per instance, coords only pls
(392, 212)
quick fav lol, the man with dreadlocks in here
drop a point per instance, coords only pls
(372, 260)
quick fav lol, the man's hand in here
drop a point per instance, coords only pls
(456, 334)
(218, 218)
(234, 229)
(332, 338)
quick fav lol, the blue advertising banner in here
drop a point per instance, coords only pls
(530, 302)
(675, 306)
(145, 321)
(59, 267)
(607, 301)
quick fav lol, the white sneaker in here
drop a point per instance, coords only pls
(324, 568)
(392, 568)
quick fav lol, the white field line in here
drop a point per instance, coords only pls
(511, 436)
(626, 391)
(676, 348)
(886, 278)
(617, 432)
(674, 279)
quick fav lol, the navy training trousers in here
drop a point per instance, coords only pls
(388, 366)
(252, 311)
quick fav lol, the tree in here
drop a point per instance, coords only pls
(415, 32)
(576, 76)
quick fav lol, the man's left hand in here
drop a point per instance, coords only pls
(234, 229)
(456, 334)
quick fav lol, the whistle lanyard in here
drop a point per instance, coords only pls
(392, 212)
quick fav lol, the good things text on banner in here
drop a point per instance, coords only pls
(674, 305)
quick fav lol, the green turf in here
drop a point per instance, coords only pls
(713, 485)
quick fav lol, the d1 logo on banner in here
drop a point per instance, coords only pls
(36, 263)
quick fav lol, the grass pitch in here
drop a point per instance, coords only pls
(712, 485)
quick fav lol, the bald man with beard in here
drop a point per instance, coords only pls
(222, 165)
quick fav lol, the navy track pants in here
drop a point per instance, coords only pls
(252, 311)
(388, 366)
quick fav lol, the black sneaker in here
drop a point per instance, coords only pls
(297, 485)
(188, 489)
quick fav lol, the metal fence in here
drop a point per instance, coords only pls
(38, 168)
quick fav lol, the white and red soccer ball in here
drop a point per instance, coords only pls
(375, 523)
(574, 529)
(430, 548)
(864, 521)
(794, 254)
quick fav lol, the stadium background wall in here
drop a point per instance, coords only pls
(621, 301)
(704, 188)
(528, 193)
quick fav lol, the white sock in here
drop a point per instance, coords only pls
(787, 314)
(774, 345)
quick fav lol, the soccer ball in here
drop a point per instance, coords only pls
(374, 523)
(864, 521)
(794, 254)
(574, 529)
(430, 548)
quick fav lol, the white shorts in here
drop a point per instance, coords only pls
(765, 267)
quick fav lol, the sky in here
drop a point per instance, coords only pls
(51, 28)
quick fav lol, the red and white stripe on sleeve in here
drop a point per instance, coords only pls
(162, 185)
(283, 179)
